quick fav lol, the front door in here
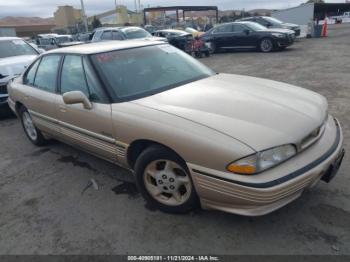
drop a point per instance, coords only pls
(90, 129)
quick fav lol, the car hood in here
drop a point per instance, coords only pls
(289, 25)
(14, 65)
(260, 113)
(278, 30)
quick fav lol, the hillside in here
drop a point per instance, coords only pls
(20, 21)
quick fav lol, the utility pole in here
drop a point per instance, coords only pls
(84, 16)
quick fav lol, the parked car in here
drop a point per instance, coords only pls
(271, 22)
(193, 31)
(177, 38)
(339, 18)
(123, 33)
(15, 55)
(191, 136)
(247, 35)
(53, 41)
(150, 28)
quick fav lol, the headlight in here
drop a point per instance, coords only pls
(279, 35)
(262, 160)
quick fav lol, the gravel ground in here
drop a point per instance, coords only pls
(45, 210)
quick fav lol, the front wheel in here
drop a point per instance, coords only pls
(266, 45)
(34, 134)
(164, 181)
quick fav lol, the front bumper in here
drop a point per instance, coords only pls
(3, 96)
(268, 191)
(287, 41)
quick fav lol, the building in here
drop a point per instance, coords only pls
(25, 26)
(67, 17)
(7, 31)
(118, 17)
(305, 13)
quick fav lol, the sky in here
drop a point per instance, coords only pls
(45, 8)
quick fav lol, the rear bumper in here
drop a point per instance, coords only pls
(254, 199)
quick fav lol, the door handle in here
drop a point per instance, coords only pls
(63, 109)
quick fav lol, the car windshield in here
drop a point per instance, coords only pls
(134, 33)
(139, 72)
(273, 21)
(15, 47)
(255, 26)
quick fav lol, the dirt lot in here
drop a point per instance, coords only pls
(43, 209)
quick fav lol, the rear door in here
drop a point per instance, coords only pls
(41, 92)
(90, 129)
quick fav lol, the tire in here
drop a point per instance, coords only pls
(266, 45)
(164, 181)
(34, 135)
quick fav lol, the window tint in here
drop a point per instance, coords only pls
(107, 35)
(238, 28)
(223, 29)
(138, 72)
(72, 77)
(263, 22)
(29, 77)
(116, 35)
(97, 94)
(46, 75)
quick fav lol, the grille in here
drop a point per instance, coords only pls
(3, 89)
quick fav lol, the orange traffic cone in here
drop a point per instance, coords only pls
(325, 28)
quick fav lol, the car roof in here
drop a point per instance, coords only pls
(116, 28)
(105, 46)
(172, 30)
(6, 38)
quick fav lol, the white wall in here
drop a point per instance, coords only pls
(300, 15)
(7, 31)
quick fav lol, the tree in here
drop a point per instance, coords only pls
(96, 23)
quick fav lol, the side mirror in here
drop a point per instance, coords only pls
(77, 97)
(246, 31)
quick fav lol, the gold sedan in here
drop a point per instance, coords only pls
(191, 136)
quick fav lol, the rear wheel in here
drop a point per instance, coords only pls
(163, 180)
(34, 134)
(266, 45)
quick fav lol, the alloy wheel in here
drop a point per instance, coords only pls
(29, 126)
(266, 45)
(167, 182)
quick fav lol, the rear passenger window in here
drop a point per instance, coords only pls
(72, 76)
(107, 35)
(116, 35)
(29, 77)
(46, 76)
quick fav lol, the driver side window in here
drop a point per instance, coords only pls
(72, 76)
